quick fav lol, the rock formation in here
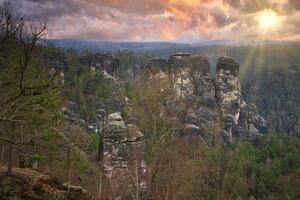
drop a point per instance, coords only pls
(102, 62)
(118, 138)
(228, 95)
(204, 108)
(211, 105)
(122, 153)
(30, 184)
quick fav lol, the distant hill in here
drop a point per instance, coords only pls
(82, 45)
(112, 46)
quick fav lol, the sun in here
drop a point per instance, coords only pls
(268, 19)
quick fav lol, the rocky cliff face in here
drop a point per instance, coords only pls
(119, 140)
(212, 105)
(204, 108)
(228, 95)
(122, 155)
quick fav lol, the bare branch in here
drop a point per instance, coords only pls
(7, 140)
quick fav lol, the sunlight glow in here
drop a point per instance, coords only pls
(268, 19)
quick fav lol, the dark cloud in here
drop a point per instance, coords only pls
(155, 19)
(293, 5)
(220, 17)
(233, 3)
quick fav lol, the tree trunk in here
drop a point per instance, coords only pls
(100, 148)
(11, 149)
(100, 180)
(10, 159)
(51, 159)
(100, 187)
(137, 195)
(149, 182)
(22, 160)
(2, 155)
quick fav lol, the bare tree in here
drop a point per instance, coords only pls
(9, 22)
(25, 83)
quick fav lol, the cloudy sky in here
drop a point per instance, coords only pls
(168, 20)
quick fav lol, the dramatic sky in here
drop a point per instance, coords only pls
(168, 20)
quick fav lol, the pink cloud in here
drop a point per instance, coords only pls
(148, 20)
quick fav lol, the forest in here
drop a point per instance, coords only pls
(64, 113)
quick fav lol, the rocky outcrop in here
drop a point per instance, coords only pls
(241, 121)
(250, 125)
(118, 140)
(228, 95)
(30, 184)
(122, 154)
(156, 65)
(212, 105)
(101, 62)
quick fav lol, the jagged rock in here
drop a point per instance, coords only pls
(112, 105)
(133, 132)
(261, 124)
(228, 91)
(191, 129)
(102, 62)
(228, 65)
(100, 105)
(68, 114)
(178, 61)
(114, 117)
(69, 110)
(99, 119)
(156, 65)
(74, 188)
(136, 70)
(122, 145)
(82, 123)
(71, 106)
(119, 139)
(211, 104)
(101, 112)
(228, 94)
(114, 133)
(31, 184)
(199, 64)
(93, 128)
(200, 117)
(250, 125)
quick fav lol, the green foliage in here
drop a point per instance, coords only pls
(128, 90)
(266, 170)
(94, 141)
(274, 157)
(86, 87)
(37, 157)
(7, 192)
(275, 91)
(76, 164)
(125, 111)
(130, 58)
(29, 88)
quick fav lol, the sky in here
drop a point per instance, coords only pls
(167, 20)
